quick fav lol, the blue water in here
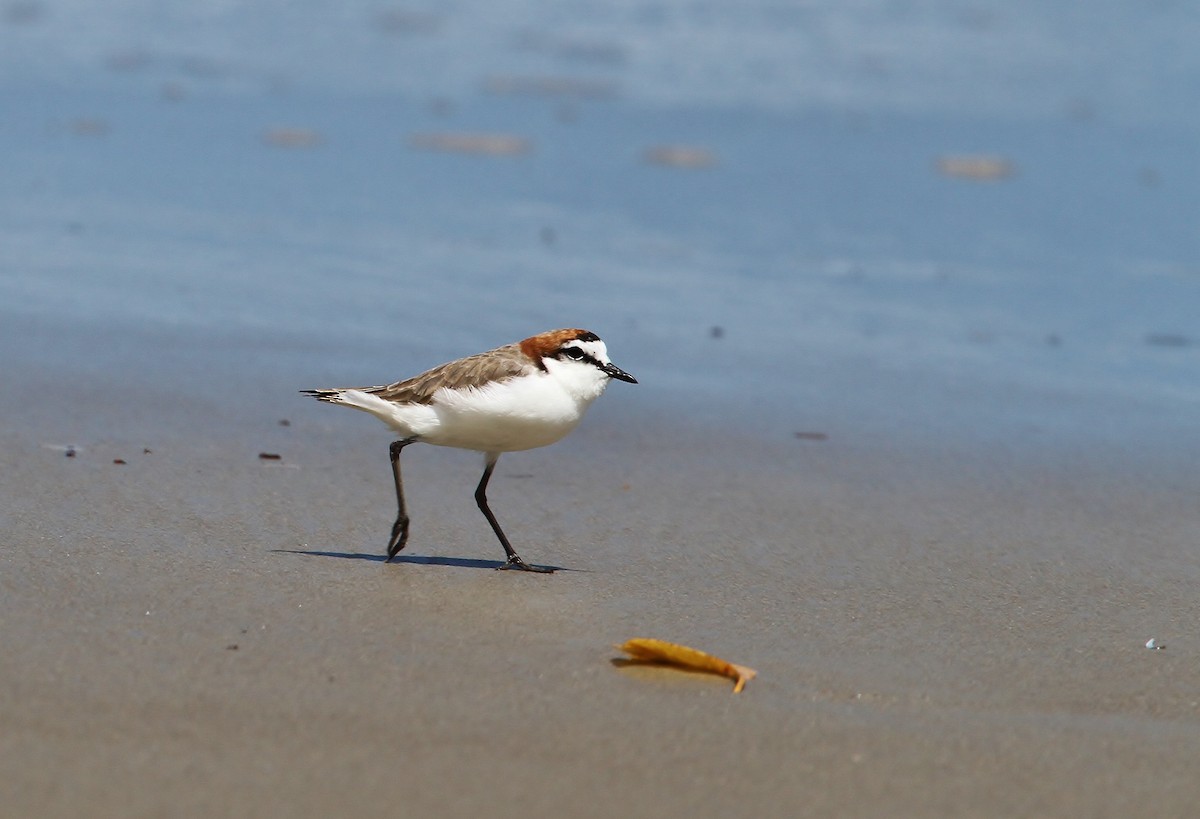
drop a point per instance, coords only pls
(142, 201)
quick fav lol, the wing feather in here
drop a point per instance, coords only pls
(500, 364)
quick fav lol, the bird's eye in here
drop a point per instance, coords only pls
(573, 353)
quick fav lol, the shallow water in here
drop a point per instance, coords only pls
(242, 183)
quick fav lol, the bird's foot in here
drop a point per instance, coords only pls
(398, 539)
(515, 562)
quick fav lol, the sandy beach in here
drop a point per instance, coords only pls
(939, 631)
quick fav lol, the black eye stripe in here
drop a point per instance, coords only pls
(584, 355)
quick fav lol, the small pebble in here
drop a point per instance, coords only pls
(1168, 340)
(89, 127)
(680, 156)
(980, 168)
(485, 144)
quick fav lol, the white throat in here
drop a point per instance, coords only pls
(582, 380)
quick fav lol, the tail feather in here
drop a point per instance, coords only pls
(410, 420)
(331, 396)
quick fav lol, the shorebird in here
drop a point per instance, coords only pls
(519, 396)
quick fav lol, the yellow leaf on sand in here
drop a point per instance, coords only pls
(649, 650)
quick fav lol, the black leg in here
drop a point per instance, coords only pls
(514, 560)
(400, 527)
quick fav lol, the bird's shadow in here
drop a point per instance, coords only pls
(420, 560)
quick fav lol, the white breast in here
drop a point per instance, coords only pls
(522, 413)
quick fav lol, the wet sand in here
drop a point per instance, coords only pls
(939, 630)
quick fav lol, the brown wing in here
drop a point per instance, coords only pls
(500, 364)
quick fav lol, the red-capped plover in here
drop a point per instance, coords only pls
(519, 396)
